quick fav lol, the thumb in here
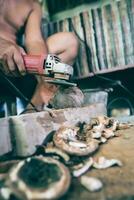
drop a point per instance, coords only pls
(22, 51)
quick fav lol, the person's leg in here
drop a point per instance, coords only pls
(64, 45)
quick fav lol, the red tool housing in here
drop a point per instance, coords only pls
(34, 63)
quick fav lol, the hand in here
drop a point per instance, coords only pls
(11, 58)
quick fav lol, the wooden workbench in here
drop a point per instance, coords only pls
(118, 181)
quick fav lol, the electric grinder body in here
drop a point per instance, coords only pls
(51, 67)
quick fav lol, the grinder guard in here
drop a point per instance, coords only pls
(53, 65)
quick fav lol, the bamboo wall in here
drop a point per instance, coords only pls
(108, 33)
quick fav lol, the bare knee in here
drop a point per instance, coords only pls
(65, 45)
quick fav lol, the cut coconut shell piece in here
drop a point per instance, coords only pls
(91, 183)
(40, 178)
(104, 163)
(71, 145)
(7, 165)
(59, 152)
(83, 169)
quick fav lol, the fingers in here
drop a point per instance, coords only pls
(13, 63)
(9, 66)
(11, 58)
(4, 66)
(18, 60)
(22, 51)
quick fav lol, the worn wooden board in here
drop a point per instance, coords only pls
(21, 134)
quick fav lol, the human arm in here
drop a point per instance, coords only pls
(34, 42)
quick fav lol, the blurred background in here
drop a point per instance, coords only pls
(105, 29)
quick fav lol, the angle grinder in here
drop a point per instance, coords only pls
(51, 67)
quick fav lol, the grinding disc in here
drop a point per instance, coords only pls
(60, 82)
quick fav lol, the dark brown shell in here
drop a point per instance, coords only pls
(54, 190)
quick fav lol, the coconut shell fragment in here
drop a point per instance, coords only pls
(39, 178)
(83, 169)
(59, 152)
(5, 167)
(104, 163)
(66, 139)
(91, 183)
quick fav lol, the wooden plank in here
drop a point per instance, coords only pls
(126, 31)
(130, 9)
(99, 38)
(132, 16)
(108, 36)
(21, 134)
(87, 48)
(118, 38)
(93, 43)
(77, 67)
(65, 25)
(88, 41)
(82, 52)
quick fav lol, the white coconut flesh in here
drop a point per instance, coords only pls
(66, 139)
(40, 178)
